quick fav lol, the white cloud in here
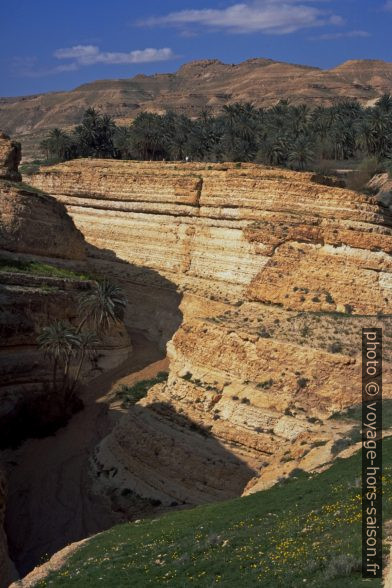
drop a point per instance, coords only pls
(84, 55)
(342, 35)
(269, 16)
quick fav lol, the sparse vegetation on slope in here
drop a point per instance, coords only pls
(132, 394)
(305, 531)
(39, 268)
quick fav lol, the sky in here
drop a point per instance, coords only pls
(53, 45)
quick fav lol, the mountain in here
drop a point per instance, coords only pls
(196, 85)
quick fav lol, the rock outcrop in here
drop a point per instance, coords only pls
(275, 275)
(197, 85)
(10, 156)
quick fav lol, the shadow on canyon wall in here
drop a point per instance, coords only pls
(49, 503)
(28, 408)
(180, 458)
(153, 300)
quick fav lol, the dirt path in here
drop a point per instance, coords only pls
(49, 503)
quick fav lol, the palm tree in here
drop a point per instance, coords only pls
(102, 306)
(122, 141)
(380, 125)
(274, 151)
(95, 135)
(385, 103)
(87, 345)
(59, 341)
(57, 145)
(301, 154)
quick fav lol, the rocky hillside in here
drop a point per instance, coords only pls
(194, 86)
(265, 278)
(303, 532)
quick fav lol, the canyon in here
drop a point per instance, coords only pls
(275, 273)
(195, 86)
(256, 282)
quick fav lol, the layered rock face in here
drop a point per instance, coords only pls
(275, 275)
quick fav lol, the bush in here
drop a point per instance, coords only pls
(341, 445)
(342, 566)
(130, 395)
(266, 384)
(336, 347)
(303, 382)
(329, 299)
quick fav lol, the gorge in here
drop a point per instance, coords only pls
(257, 281)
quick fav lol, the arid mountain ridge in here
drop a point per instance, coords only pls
(195, 86)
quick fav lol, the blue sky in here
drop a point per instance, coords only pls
(60, 44)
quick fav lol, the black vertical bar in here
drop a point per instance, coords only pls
(372, 453)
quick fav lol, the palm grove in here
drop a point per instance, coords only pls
(284, 135)
(68, 346)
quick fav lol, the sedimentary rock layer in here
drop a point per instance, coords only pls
(237, 232)
(265, 278)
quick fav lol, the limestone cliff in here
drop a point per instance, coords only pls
(265, 278)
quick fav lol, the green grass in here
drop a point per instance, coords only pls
(304, 532)
(132, 394)
(32, 167)
(38, 268)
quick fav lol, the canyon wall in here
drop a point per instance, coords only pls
(36, 229)
(260, 280)
(37, 237)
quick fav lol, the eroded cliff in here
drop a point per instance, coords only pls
(39, 247)
(265, 278)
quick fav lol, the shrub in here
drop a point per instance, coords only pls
(264, 333)
(329, 299)
(303, 382)
(305, 331)
(340, 445)
(266, 384)
(336, 347)
(342, 566)
(130, 395)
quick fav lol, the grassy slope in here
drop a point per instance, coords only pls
(287, 536)
(38, 268)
